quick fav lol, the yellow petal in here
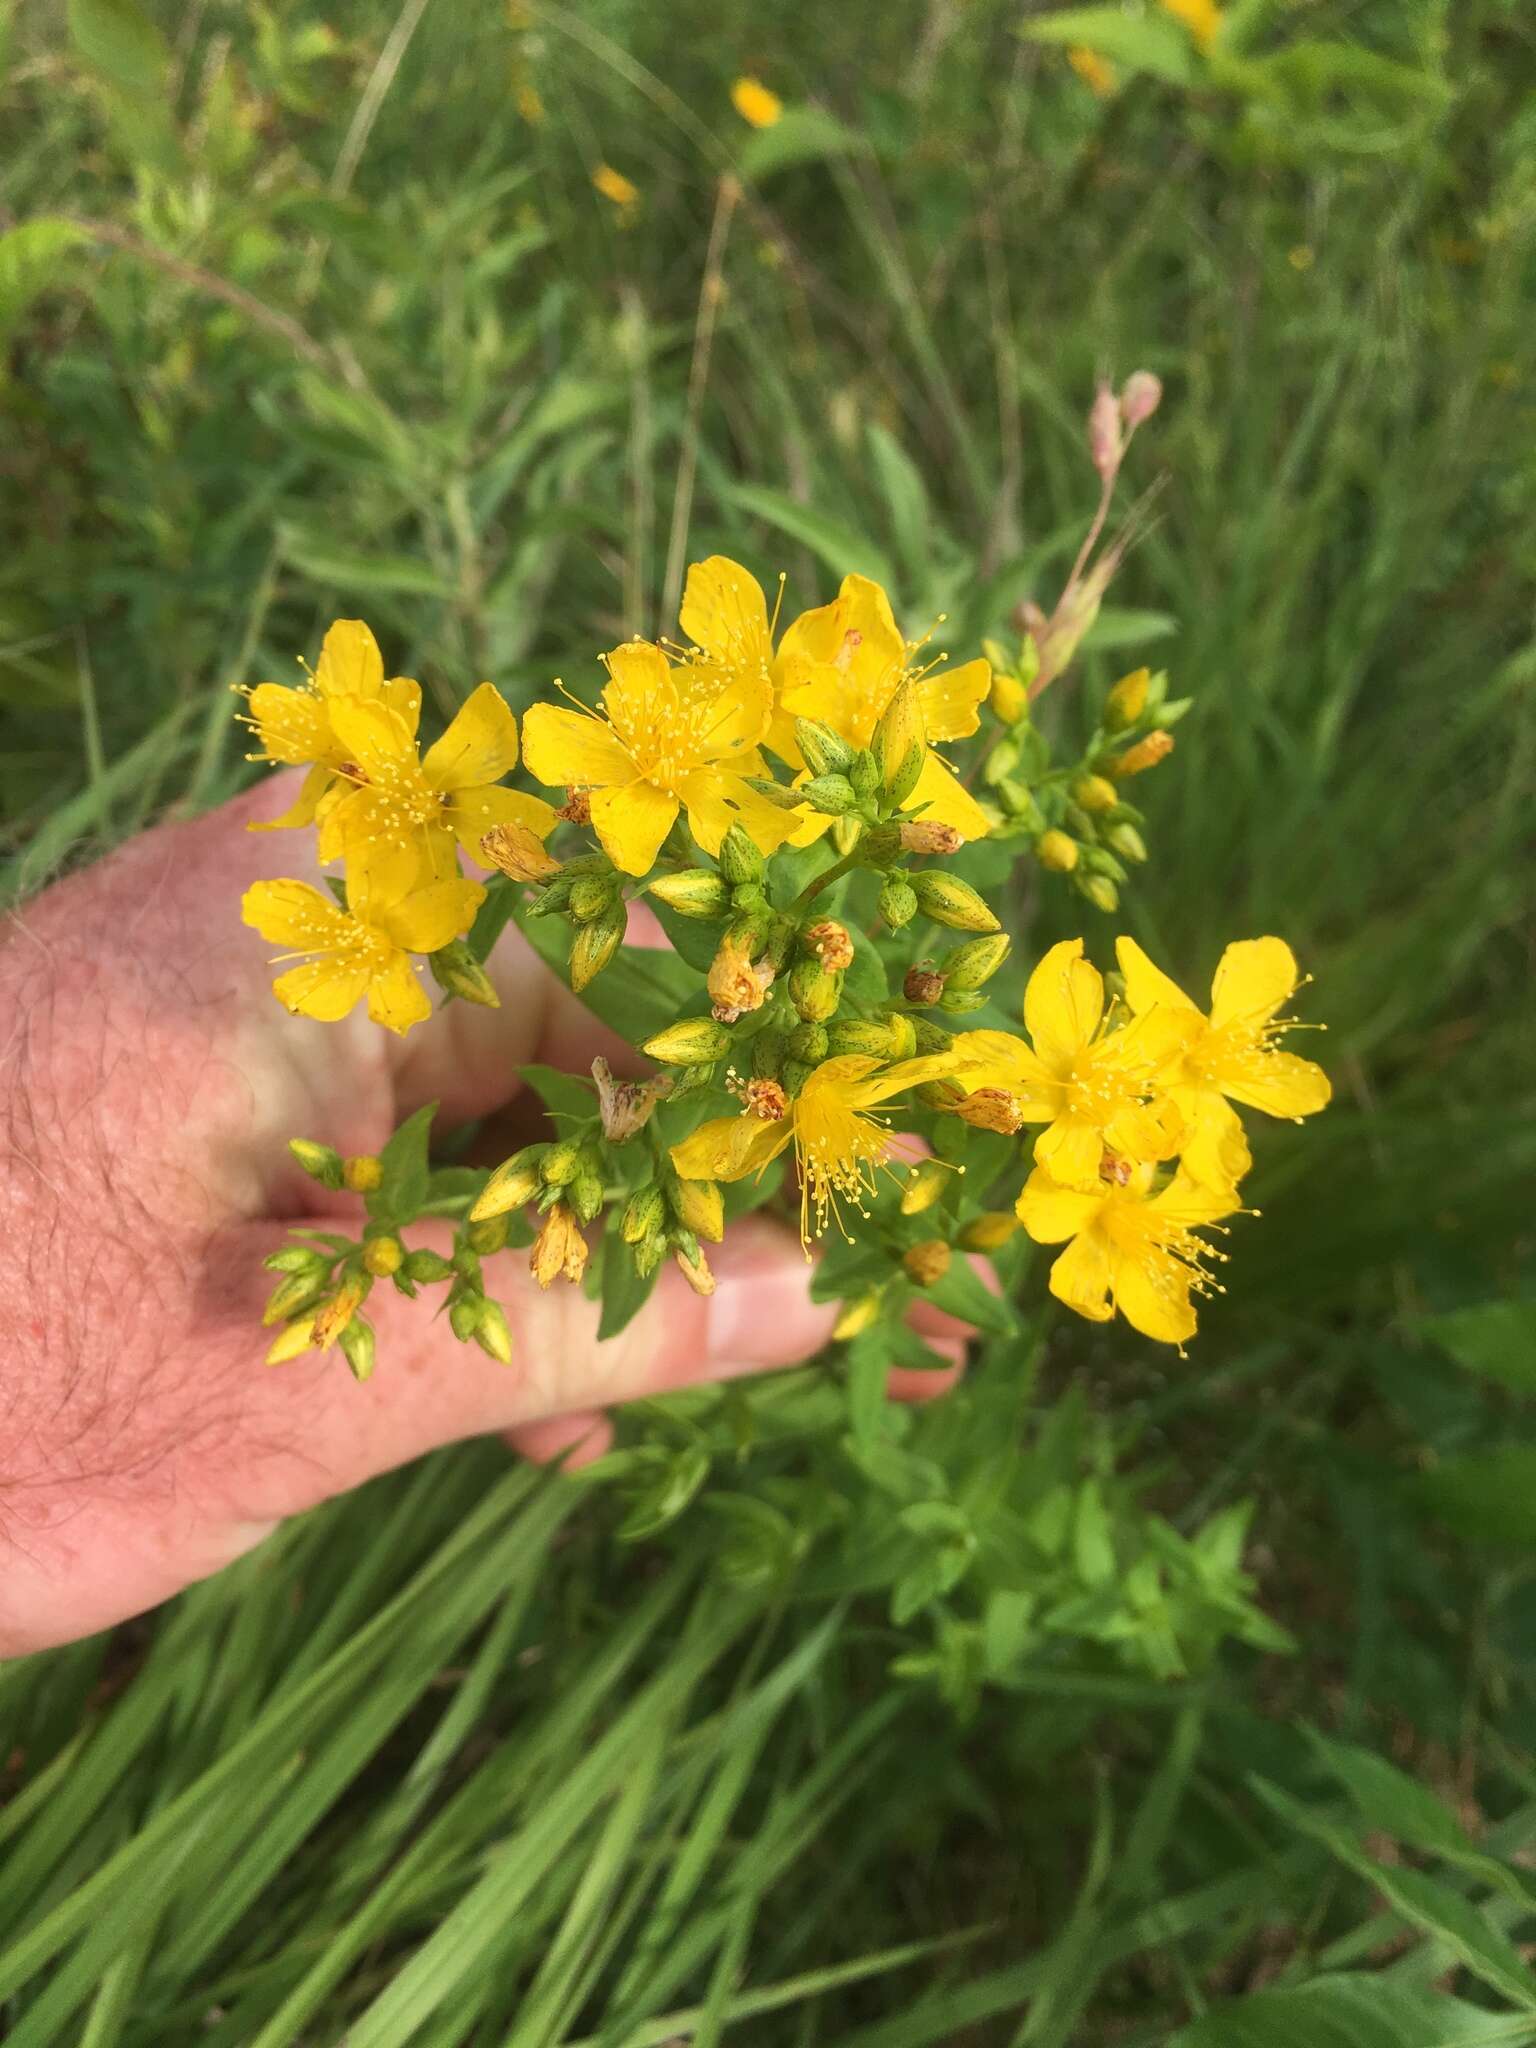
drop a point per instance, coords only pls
(1146, 986)
(350, 663)
(1051, 1213)
(1063, 1003)
(320, 989)
(480, 746)
(863, 1094)
(396, 998)
(724, 612)
(472, 812)
(1071, 1151)
(573, 748)
(429, 917)
(375, 738)
(291, 724)
(403, 697)
(1254, 977)
(1080, 1277)
(952, 698)
(295, 914)
(1152, 1292)
(717, 799)
(631, 824)
(997, 1059)
(304, 806)
(1145, 1131)
(941, 797)
(731, 1147)
(1154, 1044)
(1277, 1082)
(639, 677)
(1215, 1150)
(1187, 1202)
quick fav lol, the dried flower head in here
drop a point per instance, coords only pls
(831, 944)
(927, 835)
(518, 852)
(625, 1106)
(991, 1109)
(560, 1250)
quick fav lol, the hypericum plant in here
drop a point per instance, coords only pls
(825, 821)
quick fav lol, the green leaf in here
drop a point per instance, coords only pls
(120, 44)
(1136, 42)
(868, 1367)
(31, 257)
(801, 135)
(1363, 2011)
(692, 939)
(493, 916)
(562, 1094)
(407, 1175)
(640, 990)
(1496, 1339)
(1391, 1802)
(844, 552)
(906, 497)
(623, 1290)
(964, 1294)
(1120, 626)
(322, 562)
(1487, 1497)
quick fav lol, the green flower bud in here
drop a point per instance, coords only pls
(456, 970)
(795, 1075)
(974, 964)
(808, 1042)
(956, 1002)
(864, 775)
(903, 1035)
(320, 1162)
(1098, 860)
(739, 857)
(900, 746)
(1099, 890)
(880, 846)
(693, 892)
(590, 897)
(515, 1182)
(823, 751)
(930, 1037)
(492, 1334)
(692, 1041)
(949, 901)
(1125, 839)
(649, 1253)
(814, 992)
(700, 1205)
(854, 1035)
(586, 1194)
(488, 1235)
(554, 899)
(644, 1213)
(425, 1268)
(560, 1165)
(294, 1293)
(357, 1347)
(595, 945)
(832, 795)
(898, 902)
(466, 1263)
(768, 1053)
(383, 1256)
(464, 1313)
(1018, 800)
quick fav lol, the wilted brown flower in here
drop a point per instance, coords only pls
(927, 835)
(991, 1109)
(625, 1106)
(831, 944)
(560, 1250)
(518, 852)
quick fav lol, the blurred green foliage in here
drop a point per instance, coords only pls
(308, 312)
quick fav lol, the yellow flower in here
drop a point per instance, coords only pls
(725, 615)
(1130, 1249)
(670, 736)
(755, 103)
(843, 663)
(1089, 1085)
(615, 187)
(839, 1148)
(1096, 72)
(1228, 1056)
(294, 724)
(1203, 19)
(404, 812)
(363, 950)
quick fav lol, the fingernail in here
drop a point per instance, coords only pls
(761, 1312)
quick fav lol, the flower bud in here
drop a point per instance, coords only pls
(949, 901)
(649, 1253)
(464, 1313)
(1095, 793)
(320, 1162)
(1140, 396)
(768, 1050)
(1008, 697)
(1018, 800)
(297, 1338)
(425, 1268)
(926, 1263)
(1126, 840)
(488, 1236)
(824, 751)
(1056, 851)
(383, 1256)
(695, 1270)
(693, 892)
(833, 795)
(927, 1183)
(1098, 860)
(809, 1042)
(1126, 701)
(900, 744)
(1157, 746)
(357, 1348)
(333, 1315)
(701, 1205)
(694, 1041)
(959, 1002)
(903, 1034)
(466, 1263)
(927, 835)
(974, 964)
(856, 1317)
(297, 1258)
(898, 902)
(880, 845)
(561, 1164)
(595, 945)
(829, 943)
(857, 1035)
(560, 1250)
(930, 1037)
(644, 1212)
(739, 857)
(1104, 431)
(590, 897)
(514, 1183)
(923, 986)
(864, 774)
(456, 970)
(586, 1192)
(294, 1293)
(796, 1074)
(1100, 892)
(989, 1230)
(941, 1095)
(491, 1332)
(991, 1109)
(554, 897)
(518, 852)
(814, 992)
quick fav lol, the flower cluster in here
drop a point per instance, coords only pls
(823, 816)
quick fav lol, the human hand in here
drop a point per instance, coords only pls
(149, 1086)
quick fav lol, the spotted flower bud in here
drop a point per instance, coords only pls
(814, 992)
(973, 965)
(595, 945)
(949, 901)
(701, 1206)
(740, 858)
(898, 902)
(464, 1313)
(518, 852)
(926, 1263)
(586, 1192)
(514, 1183)
(358, 1347)
(1157, 746)
(900, 745)
(991, 1109)
(927, 835)
(959, 1002)
(492, 1333)
(425, 1268)
(294, 1293)
(693, 1041)
(824, 751)
(488, 1236)
(809, 1042)
(333, 1314)
(927, 1183)
(383, 1256)
(859, 1035)
(833, 795)
(456, 971)
(561, 1164)
(693, 892)
(591, 896)
(903, 1035)
(1057, 851)
(644, 1213)
(560, 1250)
(991, 1229)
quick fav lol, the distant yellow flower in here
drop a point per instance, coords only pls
(294, 723)
(530, 104)
(1088, 1085)
(614, 186)
(1228, 1056)
(839, 1148)
(363, 950)
(1129, 1249)
(404, 812)
(1203, 19)
(755, 103)
(670, 737)
(1096, 72)
(843, 663)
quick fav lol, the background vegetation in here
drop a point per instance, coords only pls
(308, 311)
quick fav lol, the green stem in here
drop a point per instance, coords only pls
(835, 873)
